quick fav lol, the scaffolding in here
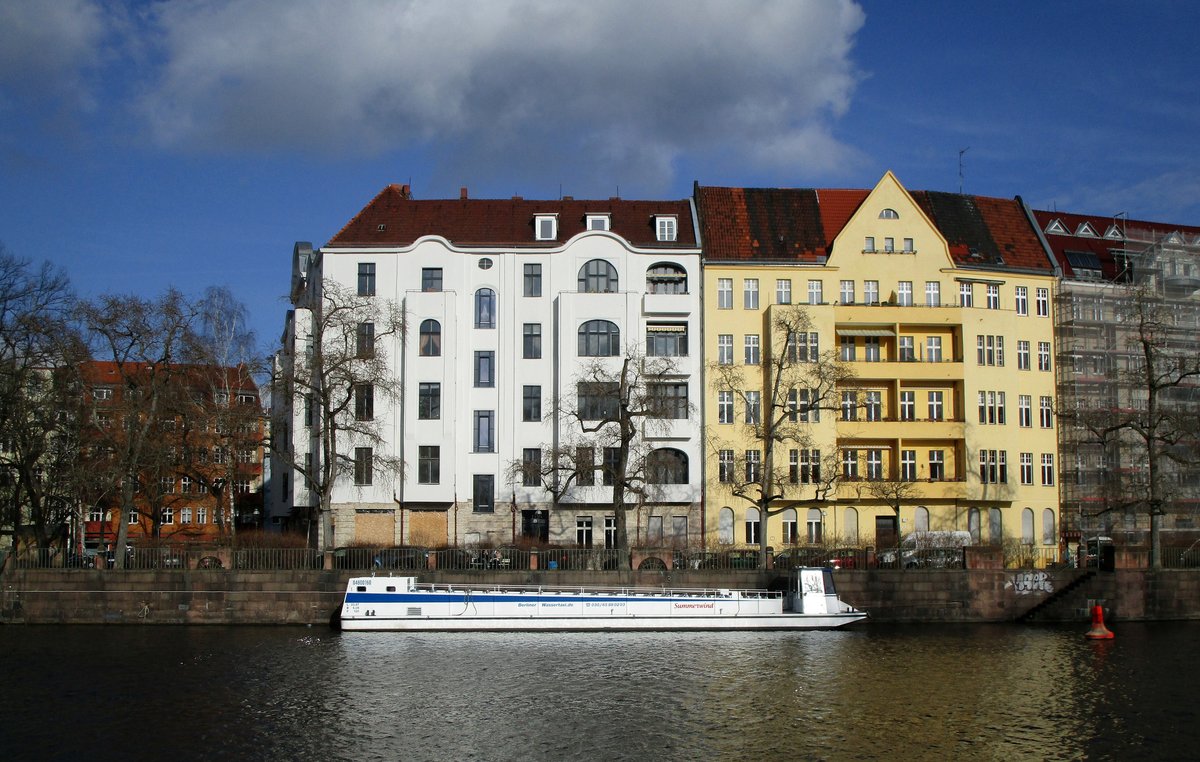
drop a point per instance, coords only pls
(1152, 284)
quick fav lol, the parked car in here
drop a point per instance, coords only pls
(927, 550)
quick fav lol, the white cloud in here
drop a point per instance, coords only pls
(45, 49)
(619, 87)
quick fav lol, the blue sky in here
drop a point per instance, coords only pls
(144, 145)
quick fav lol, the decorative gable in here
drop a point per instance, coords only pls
(1114, 233)
(1057, 228)
(1086, 230)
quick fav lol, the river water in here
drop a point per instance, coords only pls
(991, 692)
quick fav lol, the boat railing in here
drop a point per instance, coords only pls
(643, 591)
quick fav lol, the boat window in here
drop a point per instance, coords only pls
(391, 588)
(361, 588)
(828, 579)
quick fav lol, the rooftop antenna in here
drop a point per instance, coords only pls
(961, 151)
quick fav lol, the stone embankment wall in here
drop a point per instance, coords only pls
(312, 597)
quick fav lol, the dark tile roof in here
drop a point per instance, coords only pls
(1068, 248)
(801, 224)
(394, 218)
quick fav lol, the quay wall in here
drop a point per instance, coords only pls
(48, 596)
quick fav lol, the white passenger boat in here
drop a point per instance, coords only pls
(402, 603)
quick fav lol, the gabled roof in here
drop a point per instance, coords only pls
(800, 225)
(394, 218)
(1119, 235)
(107, 372)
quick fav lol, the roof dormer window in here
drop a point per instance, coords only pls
(545, 227)
(1056, 227)
(889, 214)
(597, 222)
(666, 227)
(1085, 229)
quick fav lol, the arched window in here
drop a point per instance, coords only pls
(889, 214)
(485, 308)
(667, 466)
(599, 338)
(995, 526)
(921, 519)
(430, 343)
(725, 526)
(1027, 526)
(598, 277)
(666, 278)
(752, 526)
(815, 522)
(850, 525)
(791, 533)
(1048, 534)
(973, 525)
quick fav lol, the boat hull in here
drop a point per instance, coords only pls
(611, 624)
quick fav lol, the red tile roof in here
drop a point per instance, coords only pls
(394, 218)
(770, 224)
(109, 372)
(1140, 232)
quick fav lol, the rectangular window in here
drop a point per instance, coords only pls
(847, 349)
(849, 406)
(364, 402)
(908, 350)
(654, 530)
(485, 369)
(810, 466)
(1021, 294)
(725, 407)
(874, 464)
(364, 344)
(483, 491)
(583, 531)
(533, 279)
(666, 340)
(846, 292)
(585, 466)
(991, 408)
(202, 513)
(1043, 355)
(935, 406)
(1047, 469)
(889, 244)
(933, 293)
(803, 347)
(794, 466)
(869, 245)
(364, 467)
(908, 246)
(546, 227)
(1024, 411)
(612, 459)
(531, 341)
(908, 465)
(783, 291)
(908, 406)
(989, 350)
(850, 465)
(871, 348)
(366, 279)
(725, 349)
(1027, 468)
(668, 400)
(485, 431)
(431, 279)
(724, 293)
(531, 403)
(753, 407)
(815, 292)
(871, 291)
(1022, 355)
(810, 409)
(597, 400)
(753, 465)
(966, 294)
(993, 296)
(1043, 302)
(874, 405)
(429, 464)
(168, 515)
(1045, 413)
(531, 466)
(933, 349)
(937, 465)
(429, 401)
(666, 228)
(750, 293)
(904, 296)
(752, 349)
(725, 466)
(185, 515)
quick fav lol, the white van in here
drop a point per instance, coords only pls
(933, 549)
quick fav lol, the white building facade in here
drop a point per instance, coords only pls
(505, 301)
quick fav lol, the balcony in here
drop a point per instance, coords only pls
(667, 304)
(892, 428)
(919, 370)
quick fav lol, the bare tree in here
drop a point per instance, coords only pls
(894, 493)
(782, 402)
(341, 370)
(617, 398)
(39, 438)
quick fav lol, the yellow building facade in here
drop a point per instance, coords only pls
(937, 308)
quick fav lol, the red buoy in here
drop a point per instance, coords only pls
(1098, 631)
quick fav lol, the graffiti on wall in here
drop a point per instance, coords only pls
(1024, 583)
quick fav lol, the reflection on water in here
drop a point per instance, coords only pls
(929, 692)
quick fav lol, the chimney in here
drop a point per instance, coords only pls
(462, 193)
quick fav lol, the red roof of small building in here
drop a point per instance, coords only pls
(801, 224)
(1071, 249)
(394, 218)
(110, 372)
